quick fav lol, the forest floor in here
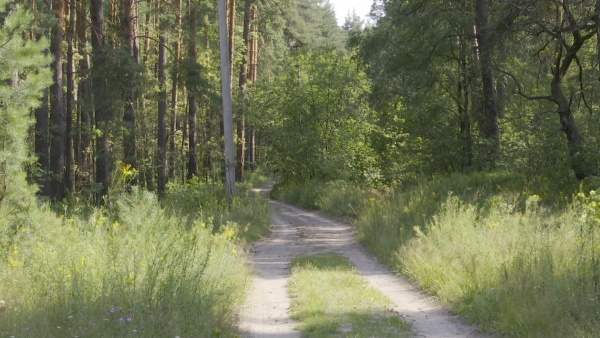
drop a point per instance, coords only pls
(298, 232)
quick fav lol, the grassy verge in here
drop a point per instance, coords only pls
(495, 252)
(331, 300)
(139, 267)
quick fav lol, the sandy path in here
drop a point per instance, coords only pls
(299, 232)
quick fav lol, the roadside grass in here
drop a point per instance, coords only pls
(517, 263)
(139, 267)
(331, 300)
(248, 215)
(526, 274)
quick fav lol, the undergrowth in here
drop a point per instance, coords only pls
(519, 263)
(138, 267)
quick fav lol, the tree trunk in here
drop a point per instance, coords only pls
(579, 163)
(41, 143)
(208, 127)
(70, 98)
(192, 92)
(101, 107)
(597, 20)
(227, 104)
(253, 74)
(231, 30)
(83, 144)
(489, 128)
(57, 108)
(128, 29)
(243, 82)
(565, 55)
(466, 139)
(162, 113)
(175, 97)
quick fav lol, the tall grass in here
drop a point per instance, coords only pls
(249, 214)
(491, 249)
(137, 268)
(527, 274)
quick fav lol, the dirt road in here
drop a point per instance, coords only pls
(300, 232)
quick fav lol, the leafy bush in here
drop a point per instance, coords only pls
(305, 194)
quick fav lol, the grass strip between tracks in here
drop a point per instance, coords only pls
(331, 300)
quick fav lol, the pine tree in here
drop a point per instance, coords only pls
(24, 74)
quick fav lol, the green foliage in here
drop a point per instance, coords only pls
(331, 299)
(320, 123)
(134, 269)
(24, 73)
(304, 194)
(524, 274)
(248, 215)
(488, 246)
(313, 24)
(340, 199)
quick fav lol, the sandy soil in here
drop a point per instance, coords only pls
(300, 232)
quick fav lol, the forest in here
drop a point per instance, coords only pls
(460, 138)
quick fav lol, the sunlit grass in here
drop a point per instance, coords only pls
(330, 299)
(530, 274)
(136, 268)
(517, 263)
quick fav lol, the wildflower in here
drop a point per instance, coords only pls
(233, 251)
(128, 171)
(128, 319)
(112, 310)
(121, 319)
(229, 233)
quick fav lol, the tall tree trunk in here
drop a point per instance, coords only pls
(466, 140)
(162, 112)
(70, 98)
(83, 145)
(243, 82)
(565, 55)
(253, 74)
(57, 108)
(175, 97)
(207, 164)
(101, 106)
(41, 132)
(147, 31)
(192, 94)
(231, 30)
(597, 20)
(128, 29)
(41, 143)
(227, 104)
(489, 128)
